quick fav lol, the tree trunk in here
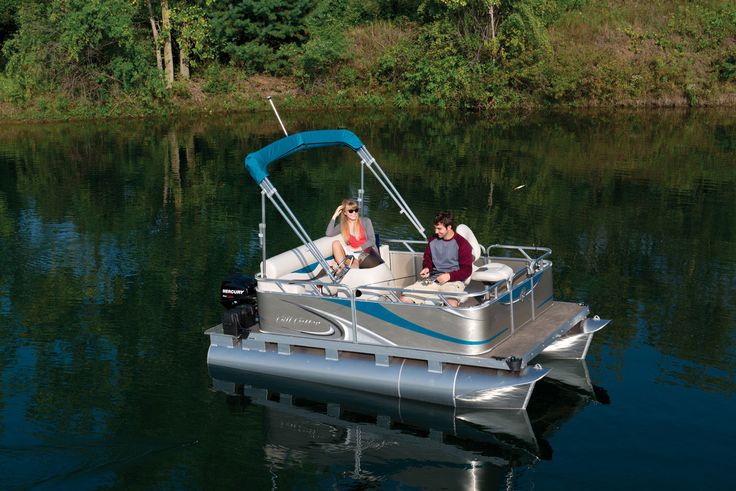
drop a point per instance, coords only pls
(172, 186)
(190, 153)
(183, 62)
(154, 30)
(493, 22)
(168, 53)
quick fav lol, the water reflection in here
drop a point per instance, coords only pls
(365, 439)
(114, 238)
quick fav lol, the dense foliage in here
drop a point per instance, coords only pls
(81, 57)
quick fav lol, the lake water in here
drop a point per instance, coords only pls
(114, 238)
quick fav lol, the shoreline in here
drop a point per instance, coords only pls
(253, 103)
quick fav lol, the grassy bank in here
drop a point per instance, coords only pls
(566, 53)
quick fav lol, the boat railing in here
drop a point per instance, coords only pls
(407, 244)
(372, 292)
(531, 256)
(533, 263)
(526, 252)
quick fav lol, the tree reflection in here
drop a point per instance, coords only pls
(114, 237)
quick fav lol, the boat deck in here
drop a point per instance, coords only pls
(530, 339)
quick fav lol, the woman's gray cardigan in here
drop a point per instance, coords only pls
(333, 228)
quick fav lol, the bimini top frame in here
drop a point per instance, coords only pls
(257, 164)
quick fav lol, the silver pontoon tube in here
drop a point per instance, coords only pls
(453, 385)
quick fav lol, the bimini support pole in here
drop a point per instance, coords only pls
(277, 115)
(262, 233)
(278, 202)
(283, 208)
(383, 179)
(361, 191)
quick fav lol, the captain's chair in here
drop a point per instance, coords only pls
(468, 235)
(488, 273)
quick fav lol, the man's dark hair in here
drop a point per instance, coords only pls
(445, 218)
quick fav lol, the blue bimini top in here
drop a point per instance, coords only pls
(257, 162)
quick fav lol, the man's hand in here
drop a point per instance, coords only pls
(443, 278)
(424, 273)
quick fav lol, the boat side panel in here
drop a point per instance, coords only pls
(303, 315)
(463, 331)
(467, 331)
(544, 291)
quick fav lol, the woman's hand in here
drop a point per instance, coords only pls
(337, 212)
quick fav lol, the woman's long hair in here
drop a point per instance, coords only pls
(344, 230)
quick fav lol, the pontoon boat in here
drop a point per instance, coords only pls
(299, 319)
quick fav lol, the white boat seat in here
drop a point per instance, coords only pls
(385, 254)
(298, 263)
(488, 273)
(468, 235)
(493, 272)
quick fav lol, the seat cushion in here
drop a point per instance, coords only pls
(493, 272)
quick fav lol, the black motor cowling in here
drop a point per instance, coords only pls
(238, 296)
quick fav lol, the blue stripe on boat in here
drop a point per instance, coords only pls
(380, 312)
(311, 267)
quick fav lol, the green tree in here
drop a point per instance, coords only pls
(86, 47)
(256, 34)
(8, 25)
(192, 28)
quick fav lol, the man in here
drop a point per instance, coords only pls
(447, 262)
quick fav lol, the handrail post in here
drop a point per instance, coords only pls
(534, 308)
(354, 314)
(510, 288)
(262, 233)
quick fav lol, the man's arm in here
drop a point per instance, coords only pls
(427, 259)
(465, 259)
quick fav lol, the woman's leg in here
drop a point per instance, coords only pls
(370, 260)
(337, 252)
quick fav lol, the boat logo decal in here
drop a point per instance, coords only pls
(234, 292)
(314, 327)
(301, 323)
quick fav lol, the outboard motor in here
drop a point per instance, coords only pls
(238, 296)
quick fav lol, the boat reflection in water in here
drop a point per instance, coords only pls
(371, 439)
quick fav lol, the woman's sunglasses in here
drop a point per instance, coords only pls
(354, 210)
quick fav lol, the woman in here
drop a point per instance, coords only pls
(357, 238)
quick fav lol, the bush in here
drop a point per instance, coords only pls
(218, 80)
(322, 52)
(726, 68)
(88, 47)
(434, 68)
(10, 91)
